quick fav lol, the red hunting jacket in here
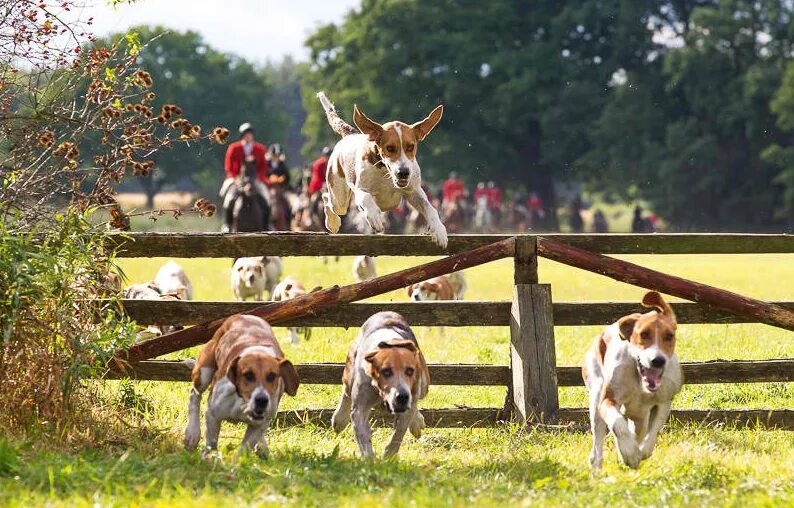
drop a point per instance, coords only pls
(235, 157)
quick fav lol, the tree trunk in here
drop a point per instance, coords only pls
(539, 178)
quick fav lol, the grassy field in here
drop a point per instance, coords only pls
(693, 465)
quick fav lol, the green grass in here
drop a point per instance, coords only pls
(693, 465)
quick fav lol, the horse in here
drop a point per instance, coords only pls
(250, 210)
(453, 215)
(280, 204)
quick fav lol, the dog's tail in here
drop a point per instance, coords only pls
(334, 120)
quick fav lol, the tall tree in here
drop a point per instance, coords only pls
(521, 82)
(213, 88)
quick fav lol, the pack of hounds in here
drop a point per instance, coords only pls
(631, 370)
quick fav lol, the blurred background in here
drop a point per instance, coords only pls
(576, 112)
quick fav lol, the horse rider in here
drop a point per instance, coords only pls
(244, 153)
(319, 167)
(453, 189)
(276, 159)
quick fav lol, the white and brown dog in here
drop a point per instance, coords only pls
(377, 167)
(251, 276)
(364, 268)
(435, 289)
(172, 279)
(288, 289)
(246, 370)
(633, 374)
(384, 365)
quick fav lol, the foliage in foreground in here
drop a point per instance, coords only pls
(54, 334)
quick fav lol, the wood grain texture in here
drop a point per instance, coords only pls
(324, 373)
(194, 245)
(716, 371)
(576, 418)
(311, 303)
(631, 273)
(532, 354)
(462, 313)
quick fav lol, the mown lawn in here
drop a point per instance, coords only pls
(694, 465)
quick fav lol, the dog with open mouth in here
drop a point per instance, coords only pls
(632, 374)
(247, 372)
(384, 365)
(376, 166)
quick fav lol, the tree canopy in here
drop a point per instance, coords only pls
(686, 104)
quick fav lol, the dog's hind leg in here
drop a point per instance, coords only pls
(337, 199)
(401, 424)
(599, 429)
(658, 417)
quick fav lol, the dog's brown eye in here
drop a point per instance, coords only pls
(271, 377)
(668, 337)
(249, 376)
(391, 149)
(645, 336)
(409, 371)
(387, 372)
(409, 148)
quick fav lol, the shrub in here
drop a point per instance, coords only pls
(55, 333)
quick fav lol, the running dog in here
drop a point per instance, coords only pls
(633, 374)
(247, 372)
(384, 365)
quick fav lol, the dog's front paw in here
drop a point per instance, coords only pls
(339, 421)
(629, 452)
(646, 449)
(375, 221)
(417, 424)
(439, 235)
(192, 436)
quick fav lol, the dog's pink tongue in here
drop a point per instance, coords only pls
(652, 378)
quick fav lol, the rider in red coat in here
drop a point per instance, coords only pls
(247, 150)
(319, 167)
(453, 189)
(239, 154)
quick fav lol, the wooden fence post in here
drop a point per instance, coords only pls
(533, 361)
(525, 262)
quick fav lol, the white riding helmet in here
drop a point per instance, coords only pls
(245, 128)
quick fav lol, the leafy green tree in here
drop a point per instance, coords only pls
(521, 82)
(214, 89)
(694, 131)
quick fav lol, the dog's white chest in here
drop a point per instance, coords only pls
(377, 183)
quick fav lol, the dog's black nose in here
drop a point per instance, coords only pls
(261, 401)
(403, 172)
(416, 297)
(659, 361)
(402, 398)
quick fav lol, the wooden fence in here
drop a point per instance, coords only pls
(532, 379)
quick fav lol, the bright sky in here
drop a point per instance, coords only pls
(255, 29)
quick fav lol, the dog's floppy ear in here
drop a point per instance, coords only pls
(369, 127)
(290, 376)
(411, 290)
(231, 372)
(423, 379)
(654, 300)
(423, 128)
(403, 343)
(626, 325)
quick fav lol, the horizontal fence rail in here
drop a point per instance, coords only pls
(212, 245)
(716, 371)
(576, 418)
(460, 313)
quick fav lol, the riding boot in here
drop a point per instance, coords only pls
(265, 211)
(228, 219)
